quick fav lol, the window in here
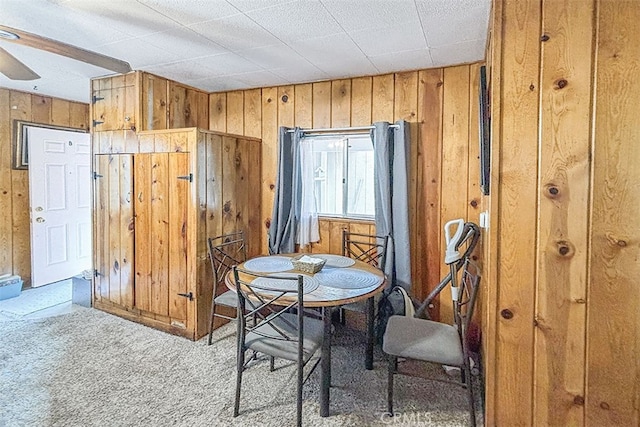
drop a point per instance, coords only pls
(342, 175)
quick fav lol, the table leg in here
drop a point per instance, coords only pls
(325, 364)
(368, 361)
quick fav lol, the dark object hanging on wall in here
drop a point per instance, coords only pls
(485, 133)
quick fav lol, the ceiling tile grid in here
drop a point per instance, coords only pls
(236, 32)
(219, 45)
(296, 20)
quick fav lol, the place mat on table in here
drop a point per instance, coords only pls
(309, 283)
(335, 260)
(347, 278)
(268, 264)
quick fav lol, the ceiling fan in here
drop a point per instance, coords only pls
(11, 67)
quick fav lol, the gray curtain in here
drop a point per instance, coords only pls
(286, 206)
(391, 167)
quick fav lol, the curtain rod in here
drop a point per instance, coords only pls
(354, 129)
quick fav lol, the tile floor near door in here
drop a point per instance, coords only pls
(33, 303)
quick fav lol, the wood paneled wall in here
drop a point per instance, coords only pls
(562, 331)
(15, 228)
(441, 105)
(140, 101)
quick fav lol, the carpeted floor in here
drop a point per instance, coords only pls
(89, 368)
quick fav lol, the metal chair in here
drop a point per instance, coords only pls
(281, 330)
(225, 251)
(435, 342)
(368, 248)
(371, 249)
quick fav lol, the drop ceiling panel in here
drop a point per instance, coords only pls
(459, 53)
(188, 12)
(407, 60)
(337, 55)
(239, 81)
(449, 8)
(257, 78)
(360, 15)
(191, 69)
(233, 44)
(349, 67)
(227, 64)
(275, 56)
(57, 22)
(468, 25)
(249, 5)
(301, 73)
(129, 17)
(329, 48)
(298, 20)
(235, 33)
(376, 41)
(184, 43)
(145, 55)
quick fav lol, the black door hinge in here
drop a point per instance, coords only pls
(187, 295)
(96, 175)
(97, 122)
(187, 177)
(95, 99)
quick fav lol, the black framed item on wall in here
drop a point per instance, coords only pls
(21, 140)
(485, 132)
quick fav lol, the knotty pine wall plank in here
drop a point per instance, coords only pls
(15, 228)
(359, 102)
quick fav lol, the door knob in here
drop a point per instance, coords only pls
(39, 219)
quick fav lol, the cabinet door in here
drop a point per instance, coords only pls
(162, 191)
(114, 101)
(154, 102)
(113, 229)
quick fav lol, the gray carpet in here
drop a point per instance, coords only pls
(89, 368)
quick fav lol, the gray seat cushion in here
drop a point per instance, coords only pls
(278, 347)
(423, 340)
(229, 299)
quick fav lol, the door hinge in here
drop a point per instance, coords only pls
(95, 273)
(96, 175)
(187, 295)
(95, 99)
(187, 177)
(97, 122)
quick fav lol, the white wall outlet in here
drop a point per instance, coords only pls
(484, 219)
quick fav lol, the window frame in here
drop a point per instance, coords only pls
(345, 175)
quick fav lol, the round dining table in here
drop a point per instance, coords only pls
(341, 281)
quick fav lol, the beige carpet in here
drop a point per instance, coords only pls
(89, 368)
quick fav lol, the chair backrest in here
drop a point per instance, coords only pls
(368, 248)
(467, 297)
(267, 298)
(225, 251)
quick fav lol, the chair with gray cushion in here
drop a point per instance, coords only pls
(225, 251)
(274, 324)
(371, 249)
(435, 342)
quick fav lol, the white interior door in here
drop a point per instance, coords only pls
(60, 201)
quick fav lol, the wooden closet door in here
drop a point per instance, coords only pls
(113, 229)
(162, 190)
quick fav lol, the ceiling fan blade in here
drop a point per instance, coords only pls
(11, 67)
(64, 49)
